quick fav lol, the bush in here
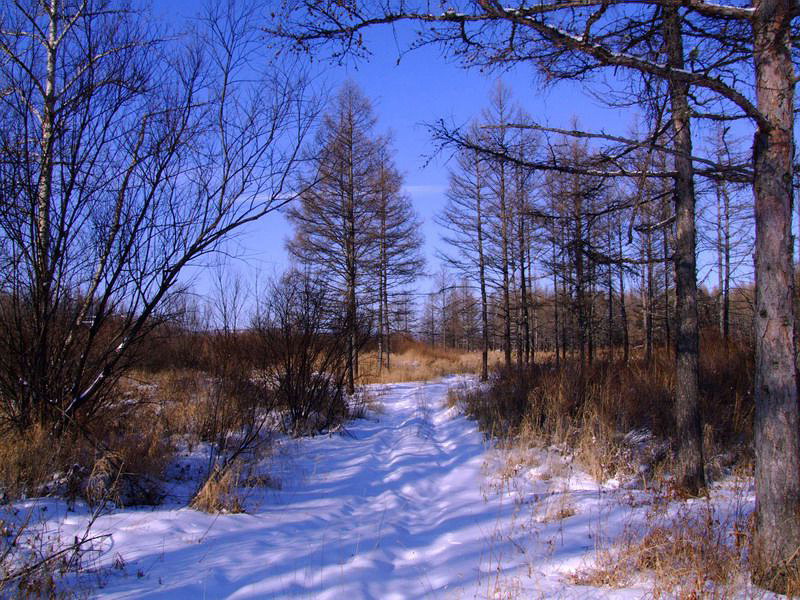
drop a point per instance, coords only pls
(305, 353)
(592, 409)
(121, 458)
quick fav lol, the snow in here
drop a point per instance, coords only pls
(411, 502)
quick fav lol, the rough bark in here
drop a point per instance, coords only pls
(775, 556)
(689, 473)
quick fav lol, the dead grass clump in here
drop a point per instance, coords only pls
(199, 407)
(186, 403)
(119, 454)
(219, 493)
(691, 555)
(560, 507)
(726, 393)
(27, 461)
(593, 409)
(133, 451)
(412, 360)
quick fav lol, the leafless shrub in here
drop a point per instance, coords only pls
(140, 178)
(306, 355)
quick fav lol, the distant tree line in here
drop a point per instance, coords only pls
(571, 264)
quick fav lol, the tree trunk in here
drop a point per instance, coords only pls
(689, 468)
(387, 339)
(647, 298)
(775, 559)
(610, 307)
(482, 278)
(555, 304)
(726, 293)
(352, 312)
(720, 260)
(526, 327)
(667, 264)
(380, 322)
(504, 242)
(623, 310)
(533, 339)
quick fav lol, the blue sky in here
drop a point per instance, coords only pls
(422, 88)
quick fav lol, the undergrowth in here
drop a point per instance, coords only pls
(616, 417)
(412, 360)
(697, 551)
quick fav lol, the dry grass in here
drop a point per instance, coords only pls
(557, 507)
(28, 461)
(692, 554)
(119, 457)
(219, 493)
(416, 361)
(593, 411)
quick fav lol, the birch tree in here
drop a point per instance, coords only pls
(124, 159)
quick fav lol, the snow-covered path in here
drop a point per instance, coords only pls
(395, 509)
(405, 505)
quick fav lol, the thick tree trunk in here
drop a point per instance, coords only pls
(720, 261)
(775, 558)
(667, 276)
(689, 473)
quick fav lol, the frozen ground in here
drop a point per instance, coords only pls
(409, 503)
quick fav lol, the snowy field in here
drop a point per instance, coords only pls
(408, 503)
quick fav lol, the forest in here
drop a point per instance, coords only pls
(584, 383)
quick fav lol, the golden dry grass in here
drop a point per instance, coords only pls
(691, 554)
(415, 361)
(219, 493)
(591, 409)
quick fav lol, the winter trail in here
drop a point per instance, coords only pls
(398, 507)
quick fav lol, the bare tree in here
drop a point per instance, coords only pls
(125, 158)
(464, 218)
(397, 236)
(339, 227)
